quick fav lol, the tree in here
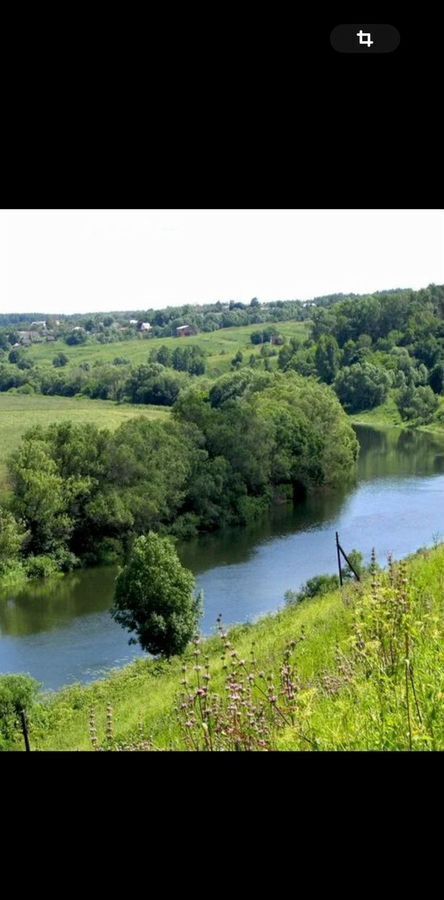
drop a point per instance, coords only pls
(237, 360)
(164, 356)
(436, 378)
(417, 405)
(154, 597)
(16, 355)
(60, 360)
(12, 536)
(361, 386)
(77, 336)
(327, 358)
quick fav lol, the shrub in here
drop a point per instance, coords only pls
(41, 566)
(17, 693)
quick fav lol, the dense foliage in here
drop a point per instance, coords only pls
(18, 694)
(84, 493)
(154, 597)
(365, 346)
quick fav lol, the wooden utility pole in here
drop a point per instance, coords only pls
(339, 558)
(339, 551)
(25, 729)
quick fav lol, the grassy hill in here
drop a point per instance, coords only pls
(220, 346)
(345, 685)
(19, 412)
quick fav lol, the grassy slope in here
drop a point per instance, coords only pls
(220, 346)
(19, 412)
(144, 693)
(387, 416)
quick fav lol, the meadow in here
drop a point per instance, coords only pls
(364, 668)
(220, 347)
(20, 412)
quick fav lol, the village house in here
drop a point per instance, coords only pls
(133, 321)
(29, 337)
(184, 331)
(145, 326)
(38, 325)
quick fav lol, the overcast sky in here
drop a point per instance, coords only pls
(95, 260)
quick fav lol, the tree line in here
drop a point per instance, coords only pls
(366, 346)
(82, 495)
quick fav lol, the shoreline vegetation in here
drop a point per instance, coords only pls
(327, 673)
(388, 416)
(82, 495)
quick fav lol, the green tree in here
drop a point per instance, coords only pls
(237, 360)
(164, 355)
(154, 597)
(361, 386)
(327, 358)
(12, 536)
(417, 405)
(60, 360)
(436, 378)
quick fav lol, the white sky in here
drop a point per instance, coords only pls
(96, 260)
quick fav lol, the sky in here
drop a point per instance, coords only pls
(68, 261)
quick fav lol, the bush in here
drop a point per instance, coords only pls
(417, 405)
(17, 692)
(320, 584)
(60, 360)
(41, 566)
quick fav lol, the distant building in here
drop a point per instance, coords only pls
(29, 337)
(38, 325)
(133, 321)
(184, 331)
(145, 326)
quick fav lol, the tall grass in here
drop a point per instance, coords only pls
(361, 669)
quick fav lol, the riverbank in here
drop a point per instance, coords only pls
(387, 416)
(336, 703)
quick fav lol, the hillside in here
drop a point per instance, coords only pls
(344, 686)
(220, 347)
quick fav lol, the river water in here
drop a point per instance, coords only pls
(61, 631)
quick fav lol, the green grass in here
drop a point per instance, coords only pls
(387, 416)
(19, 412)
(340, 713)
(220, 346)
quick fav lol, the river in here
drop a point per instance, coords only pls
(61, 631)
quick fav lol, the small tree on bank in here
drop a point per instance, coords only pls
(154, 597)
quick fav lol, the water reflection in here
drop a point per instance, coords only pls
(60, 631)
(391, 452)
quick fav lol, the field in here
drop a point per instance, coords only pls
(19, 412)
(341, 706)
(220, 346)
